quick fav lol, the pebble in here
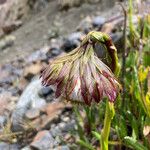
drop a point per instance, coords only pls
(61, 125)
(53, 33)
(43, 141)
(45, 91)
(56, 131)
(38, 103)
(65, 119)
(63, 147)
(72, 41)
(55, 52)
(26, 148)
(98, 21)
(32, 113)
(54, 48)
(6, 146)
(38, 55)
(68, 127)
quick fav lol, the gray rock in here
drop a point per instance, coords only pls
(38, 55)
(62, 125)
(72, 41)
(29, 99)
(98, 21)
(26, 148)
(63, 147)
(5, 146)
(43, 141)
(68, 127)
(65, 119)
(55, 131)
(55, 52)
(45, 91)
(38, 103)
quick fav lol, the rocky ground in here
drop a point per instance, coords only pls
(30, 116)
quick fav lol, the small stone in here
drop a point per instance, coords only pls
(55, 52)
(38, 103)
(45, 91)
(43, 141)
(65, 119)
(72, 41)
(53, 125)
(62, 125)
(38, 55)
(53, 111)
(32, 113)
(63, 147)
(55, 131)
(6, 146)
(53, 33)
(98, 21)
(68, 127)
(26, 148)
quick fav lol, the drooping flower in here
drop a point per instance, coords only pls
(80, 76)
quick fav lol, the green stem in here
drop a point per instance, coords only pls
(109, 114)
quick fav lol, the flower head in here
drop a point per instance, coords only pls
(80, 76)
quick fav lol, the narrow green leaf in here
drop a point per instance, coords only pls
(86, 145)
(135, 129)
(96, 135)
(131, 142)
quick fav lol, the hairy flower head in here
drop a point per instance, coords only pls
(80, 76)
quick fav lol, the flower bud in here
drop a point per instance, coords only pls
(80, 76)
